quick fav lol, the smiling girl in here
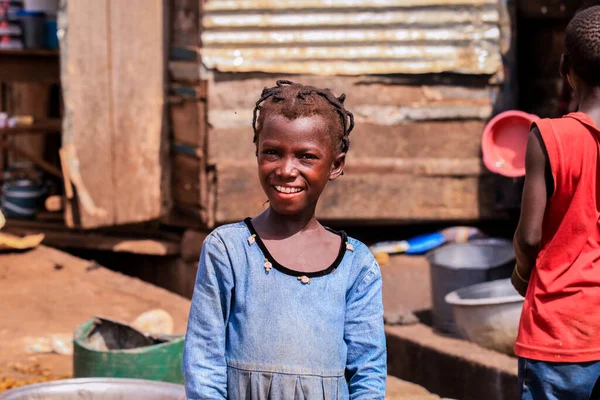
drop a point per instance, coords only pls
(283, 307)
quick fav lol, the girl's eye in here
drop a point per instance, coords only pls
(309, 157)
(270, 152)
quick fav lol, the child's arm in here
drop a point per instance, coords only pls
(366, 365)
(533, 206)
(204, 365)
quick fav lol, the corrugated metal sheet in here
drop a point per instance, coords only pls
(352, 37)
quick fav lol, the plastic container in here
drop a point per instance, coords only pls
(504, 142)
(488, 314)
(34, 28)
(463, 264)
(160, 362)
(51, 34)
(22, 198)
(49, 7)
(98, 389)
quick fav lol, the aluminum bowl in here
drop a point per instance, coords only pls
(488, 314)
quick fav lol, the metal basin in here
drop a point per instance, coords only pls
(97, 389)
(455, 266)
(488, 314)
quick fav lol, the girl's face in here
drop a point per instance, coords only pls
(296, 159)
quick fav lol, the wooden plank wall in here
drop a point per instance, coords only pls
(112, 71)
(414, 156)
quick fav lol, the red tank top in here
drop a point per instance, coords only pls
(560, 321)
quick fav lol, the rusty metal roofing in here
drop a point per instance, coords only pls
(353, 37)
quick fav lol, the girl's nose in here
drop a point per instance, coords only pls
(287, 169)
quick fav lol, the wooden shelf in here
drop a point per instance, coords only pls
(49, 126)
(29, 66)
(29, 53)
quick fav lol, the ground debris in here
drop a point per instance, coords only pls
(34, 373)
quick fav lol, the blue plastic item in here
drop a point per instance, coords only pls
(416, 245)
(26, 13)
(51, 34)
(423, 243)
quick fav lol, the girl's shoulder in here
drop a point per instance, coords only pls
(361, 258)
(229, 234)
(358, 248)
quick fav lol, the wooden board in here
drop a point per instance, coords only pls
(113, 72)
(95, 241)
(185, 22)
(186, 180)
(231, 92)
(369, 196)
(440, 139)
(188, 122)
(137, 78)
(86, 82)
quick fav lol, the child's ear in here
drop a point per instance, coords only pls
(337, 167)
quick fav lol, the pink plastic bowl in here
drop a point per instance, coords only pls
(504, 142)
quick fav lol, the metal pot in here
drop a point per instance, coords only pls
(98, 389)
(488, 314)
(462, 264)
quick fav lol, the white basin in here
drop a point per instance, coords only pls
(488, 314)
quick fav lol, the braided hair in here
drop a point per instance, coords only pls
(293, 100)
(582, 45)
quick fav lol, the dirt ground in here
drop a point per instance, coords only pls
(46, 291)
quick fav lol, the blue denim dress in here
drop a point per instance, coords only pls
(258, 330)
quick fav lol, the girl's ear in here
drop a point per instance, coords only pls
(337, 167)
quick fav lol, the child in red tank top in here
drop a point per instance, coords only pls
(557, 241)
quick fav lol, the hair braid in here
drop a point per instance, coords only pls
(283, 98)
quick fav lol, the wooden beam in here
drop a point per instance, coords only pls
(95, 241)
(48, 126)
(439, 139)
(386, 197)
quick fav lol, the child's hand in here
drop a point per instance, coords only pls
(518, 282)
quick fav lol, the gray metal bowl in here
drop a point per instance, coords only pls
(462, 264)
(488, 314)
(97, 389)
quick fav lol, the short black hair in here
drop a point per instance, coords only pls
(293, 100)
(582, 45)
